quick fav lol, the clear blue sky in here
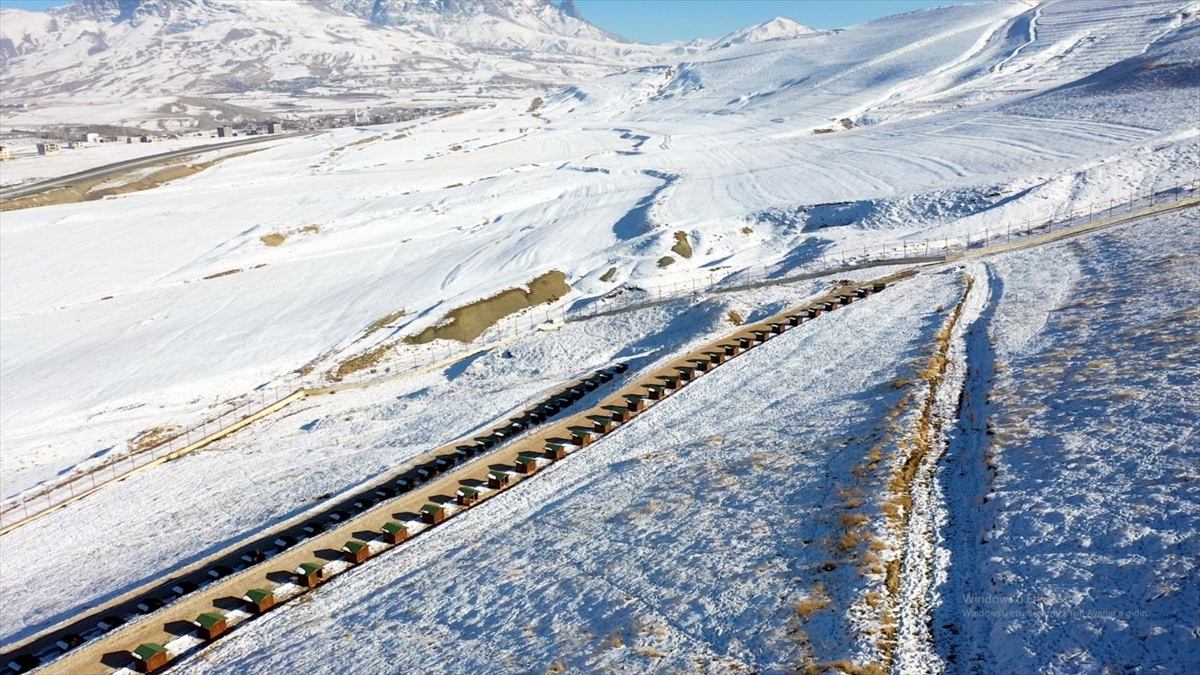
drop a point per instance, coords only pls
(663, 20)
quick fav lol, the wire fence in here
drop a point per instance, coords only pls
(401, 358)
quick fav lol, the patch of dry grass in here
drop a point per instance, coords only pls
(468, 322)
(226, 273)
(682, 246)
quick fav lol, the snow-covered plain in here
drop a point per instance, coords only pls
(702, 533)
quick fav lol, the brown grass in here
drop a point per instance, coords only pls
(682, 246)
(735, 318)
(850, 668)
(273, 239)
(468, 322)
(609, 275)
(816, 600)
(382, 321)
(666, 261)
(226, 273)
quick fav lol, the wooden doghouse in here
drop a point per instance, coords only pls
(619, 414)
(621, 367)
(778, 328)
(795, 319)
(686, 373)
(604, 376)
(878, 287)
(655, 392)
(555, 451)
(356, 552)
(150, 656)
(733, 349)
(715, 358)
(602, 425)
(861, 293)
(636, 404)
(210, 624)
(762, 335)
(498, 480)
(394, 533)
(467, 496)
(671, 383)
(259, 600)
(812, 312)
(745, 343)
(433, 514)
(828, 306)
(536, 417)
(526, 465)
(581, 437)
(310, 574)
(845, 299)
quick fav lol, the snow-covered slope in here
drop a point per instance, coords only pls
(779, 28)
(145, 310)
(602, 176)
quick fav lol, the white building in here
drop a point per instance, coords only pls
(48, 148)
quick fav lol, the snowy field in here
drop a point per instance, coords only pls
(709, 535)
(602, 177)
(325, 445)
(1075, 528)
(748, 523)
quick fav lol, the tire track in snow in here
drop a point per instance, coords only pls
(1033, 36)
(965, 474)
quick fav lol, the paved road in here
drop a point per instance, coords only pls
(128, 165)
(111, 651)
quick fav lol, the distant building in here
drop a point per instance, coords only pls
(90, 137)
(76, 145)
(5, 155)
(149, 138)
(272, 128)
(224, 132)
(48, 148)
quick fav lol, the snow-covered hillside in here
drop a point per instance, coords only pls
(146, 311)
(437, 214)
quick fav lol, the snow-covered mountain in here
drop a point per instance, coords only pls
(779, 28)
(151, 59)
(504, 24)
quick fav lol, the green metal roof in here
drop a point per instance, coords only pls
(498, 475)
(392, 527)
(209, 619)
(555, 446)
(309, 567)
(467, 491)
(257, 595)
(431, 508)
(147, 649)
(354, 546)
(525, 460)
